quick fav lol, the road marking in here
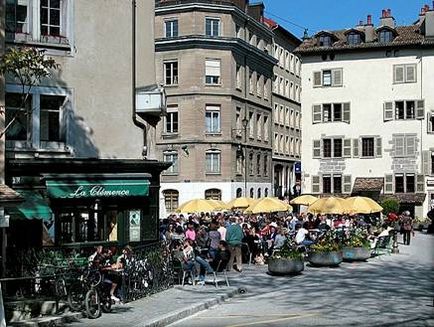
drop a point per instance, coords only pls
(274, 320)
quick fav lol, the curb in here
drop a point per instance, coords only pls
(50, 321)
(188, 311)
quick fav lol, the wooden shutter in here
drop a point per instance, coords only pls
(420, 109)
(346, 113)
(398, 73)
(388, 111)
(410, 145)
(420, 183)
(347, 148)
(355, 148)
(429, 127)
(378, 147)
(410, 73)
(337, 79)
(399, 145)
(316, 149)
(316, 114)
(347, 184)
(316, 187)
(317, 79)
(388, 184)
(426, 162)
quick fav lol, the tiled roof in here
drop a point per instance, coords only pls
(414, 198)
(405, 36)
(374, 184)
(9, 195)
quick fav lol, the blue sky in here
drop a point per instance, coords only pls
(338, 14)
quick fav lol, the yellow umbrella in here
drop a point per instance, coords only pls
(268, 204)
(219, 205)
(197, 205)
(330, 205)
(305, 200)
(242, 202)
(361, 204)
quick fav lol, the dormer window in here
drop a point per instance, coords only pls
(354, 38)
(325, 41)
(385, 36)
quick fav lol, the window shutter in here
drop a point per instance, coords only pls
(388, 111)
(378, 147)
(388, 184)
(410, 73)
(355, 148)
(399, 146)
(346, 113)
(347, 184)
(420, 109)
(316, 148)
(410, 146)
(426, 162)
(420, 183)
(347, 148)
(337, 77)
(398, 74)
(316, 114)
(316, 184)
(317, 79)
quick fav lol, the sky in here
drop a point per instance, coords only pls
(316, 15)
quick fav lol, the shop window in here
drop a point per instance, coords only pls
(213, 194)
(171, 200)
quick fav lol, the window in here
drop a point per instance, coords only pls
(20, 128)
(291, 91)
(276, 142)
(212, 119)
(252, 192)
(291, 63)
(385, 36)
(354, 38)
(325, 41)
(258, 164)
(266, 192)
(212, 27)
(50, 17)
(266, 85)
(287, 90)
(368, 147)
(332, 184)
(331, 112)
(172, 157)
(404, 73)
(327, 78)
(251, 82)
(276, 84)
(239, 192)
(332, 147)
(171, 28)
(337, 112)
(251, 163)
(403, 110)
(171, 73)
(409, 183)
(251, 126)
(337, 148)
(327, 148)
(337, 184)
(404, 183)
(50, 118)
(326, 184)
(266, 129)
(239, 163)
(259, 126)
(213, 194)
(258, 86)
(430, 121)
(213, 162)
(399, 184)
(327, 112)
(212, 71)
(238, 123)
(17, 12)
(171, 200)
(287, 146)
(404, 145)
(239, 81)
(281, 85)
(171, 119)
(265, 166)
(259, 193)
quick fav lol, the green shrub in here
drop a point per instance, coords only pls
(390, 205)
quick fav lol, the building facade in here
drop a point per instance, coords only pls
(215, 60)
(368, 111)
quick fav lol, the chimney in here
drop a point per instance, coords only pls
(369, 20)
(387, 18)
(429, 23)
(369, 30)
(256, 11)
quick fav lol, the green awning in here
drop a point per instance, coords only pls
(97, 188)
(33, 207)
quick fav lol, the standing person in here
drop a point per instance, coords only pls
(190, 233)
(406, 226)
(222, 230)
(234, 237)
(215, 238)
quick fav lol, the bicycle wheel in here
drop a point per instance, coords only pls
(75, 299)
(106, 306)
(93, 304)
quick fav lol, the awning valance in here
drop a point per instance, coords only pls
(33, 207)
(93, 187)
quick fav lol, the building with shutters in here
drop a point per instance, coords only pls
(368, 111)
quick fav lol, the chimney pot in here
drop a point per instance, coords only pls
(360, 22)
(383, 13)
(389, 13)
(369, 20)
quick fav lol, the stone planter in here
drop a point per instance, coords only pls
(328, 259)
(356, 254)
(284, 266)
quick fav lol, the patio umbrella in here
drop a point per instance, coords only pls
(242, 202)
(197, 205)
(364, 205)
(219, 205)
(305, 200)
(268, 204)
(330, 205)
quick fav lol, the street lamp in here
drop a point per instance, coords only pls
(245, 123)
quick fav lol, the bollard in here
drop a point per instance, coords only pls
(395, 249)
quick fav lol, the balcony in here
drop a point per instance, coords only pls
(238, 3)
(151, 101)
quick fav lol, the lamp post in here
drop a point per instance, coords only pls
(245, 122)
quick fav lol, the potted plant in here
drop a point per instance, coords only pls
(287, 261)
(327, 251)
(356, 245)
(420, 223)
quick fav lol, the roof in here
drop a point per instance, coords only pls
(373, 184)
(405, 36)
(272, 25)
(413, 198)
(9, 195)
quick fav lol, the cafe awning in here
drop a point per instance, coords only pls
(97, 186)
(33, 207)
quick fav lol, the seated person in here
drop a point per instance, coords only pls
(386, 232)
(300, 237)
(280, 239)
(111, 272)
(222, 257)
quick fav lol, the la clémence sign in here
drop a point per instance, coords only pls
(77, 189)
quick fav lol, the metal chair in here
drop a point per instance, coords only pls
(217, 272)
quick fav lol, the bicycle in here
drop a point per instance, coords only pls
(97, 299)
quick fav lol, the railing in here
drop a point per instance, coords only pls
(238, 3)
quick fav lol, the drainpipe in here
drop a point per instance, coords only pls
(137, 122)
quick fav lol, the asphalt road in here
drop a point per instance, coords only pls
(389, 290)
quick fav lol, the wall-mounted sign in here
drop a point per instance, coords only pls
(297, 167)
(134, 222)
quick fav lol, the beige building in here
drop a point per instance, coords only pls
(214, 59)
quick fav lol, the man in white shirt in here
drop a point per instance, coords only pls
(300, 237)
(222, 230)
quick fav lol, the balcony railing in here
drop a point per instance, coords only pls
(238, 3)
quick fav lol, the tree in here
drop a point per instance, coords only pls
(390, 205)
(26, 66)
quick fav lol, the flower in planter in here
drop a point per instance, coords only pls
(329, 242)
(289, 250)
(357, 237)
